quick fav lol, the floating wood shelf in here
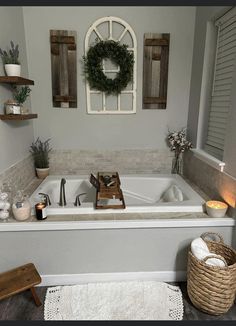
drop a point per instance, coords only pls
(16, 80)
(18, 116)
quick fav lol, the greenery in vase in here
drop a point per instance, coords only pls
(179, 144)
(12, 56)
(21, 94)
(40, 152)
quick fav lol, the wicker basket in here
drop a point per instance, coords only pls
(212, 289)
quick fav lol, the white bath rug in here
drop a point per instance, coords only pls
(141, 300)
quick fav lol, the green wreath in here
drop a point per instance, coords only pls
(119, 55)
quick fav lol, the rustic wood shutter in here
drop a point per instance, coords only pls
(222, 84)
(63, 68)
(155, 70)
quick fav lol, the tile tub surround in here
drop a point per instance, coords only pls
(215, 184)
(64, 162)
(19, 175)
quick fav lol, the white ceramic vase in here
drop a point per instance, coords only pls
(13, 69)
(42, 173)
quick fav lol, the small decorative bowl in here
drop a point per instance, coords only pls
(216, 208)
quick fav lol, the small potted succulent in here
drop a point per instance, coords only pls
(16, 106)
(20, 95)
(11, 60)
(40, 152)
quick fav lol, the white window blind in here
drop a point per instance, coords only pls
(222, 84)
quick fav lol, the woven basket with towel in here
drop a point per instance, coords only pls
(211, 285)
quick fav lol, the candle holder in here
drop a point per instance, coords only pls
(41, 211)
(216, 208)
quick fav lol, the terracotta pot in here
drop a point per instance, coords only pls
(13, 69)
(42, 173)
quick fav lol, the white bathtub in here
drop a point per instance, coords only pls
(141, 193)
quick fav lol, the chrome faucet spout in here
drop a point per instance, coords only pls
(46, 198)
(62, 199)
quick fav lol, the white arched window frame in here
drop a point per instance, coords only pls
(110, 20)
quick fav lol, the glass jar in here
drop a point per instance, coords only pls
(177, 164)
(21, 207)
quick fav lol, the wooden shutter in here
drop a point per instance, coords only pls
(63, 68)
(155, 70)
(222, 84)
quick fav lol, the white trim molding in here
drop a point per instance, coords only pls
(71, 279)
(47, 225)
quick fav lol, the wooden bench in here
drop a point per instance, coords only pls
(18, 280)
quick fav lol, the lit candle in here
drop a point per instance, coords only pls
(216, 208)
(41, 211)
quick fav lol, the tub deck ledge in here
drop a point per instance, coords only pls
(116, 221)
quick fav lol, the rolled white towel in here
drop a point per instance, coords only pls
(200, 251)
(199, 248)
(173, 193)
(215, 261)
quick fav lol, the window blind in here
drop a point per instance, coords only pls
(222, 83)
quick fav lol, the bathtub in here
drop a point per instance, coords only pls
(142, 193)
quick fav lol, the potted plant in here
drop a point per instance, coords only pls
(10, 60)
(20, 95)
(40, 151)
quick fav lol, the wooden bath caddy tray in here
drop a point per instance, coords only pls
(109, 196)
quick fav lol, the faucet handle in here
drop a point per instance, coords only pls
(77, 200)
(47, 198)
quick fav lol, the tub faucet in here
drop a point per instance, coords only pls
(62, 200)
(46, 198)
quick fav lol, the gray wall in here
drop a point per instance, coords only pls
(214, 183)
(75, 129)
(203, 15)
(230, 141)
(102, 251)
(15, 137)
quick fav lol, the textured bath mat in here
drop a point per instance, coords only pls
(141, 300)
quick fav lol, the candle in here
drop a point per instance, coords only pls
(216, 208)
(41, 211)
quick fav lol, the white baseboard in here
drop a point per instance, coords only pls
(70, 279)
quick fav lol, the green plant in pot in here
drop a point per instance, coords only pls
(10, 59)
(20, 96)
(40, 151)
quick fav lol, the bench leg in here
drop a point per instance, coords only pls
(36, 298)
